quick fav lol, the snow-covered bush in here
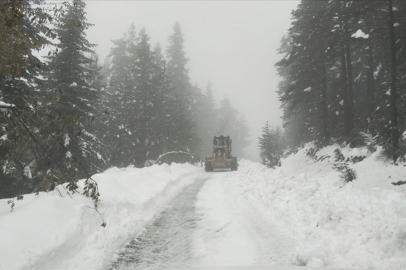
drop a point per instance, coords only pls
(341, 164)
(370, 141)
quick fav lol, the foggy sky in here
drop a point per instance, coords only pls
(232, 44)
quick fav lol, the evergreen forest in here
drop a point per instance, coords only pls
(65, 116)
(343, 72)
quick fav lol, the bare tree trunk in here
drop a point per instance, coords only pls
(393, 90)
(370, 81)
(324, 109)
(344, 90)
(344, 74)
(350, 78)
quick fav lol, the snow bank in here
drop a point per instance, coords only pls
(356, 225)
(53, 232)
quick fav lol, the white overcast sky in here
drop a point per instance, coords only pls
(230, 43)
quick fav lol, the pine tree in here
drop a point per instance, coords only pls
(208, 120)
(146, 119)
(159, 57)
(177, 70)
(146, 94)
(307, 70)
(271, 146)
(232, 123)
(362, 46)
(23, 29)
(188, 95)
(72, 86)
(120, 138)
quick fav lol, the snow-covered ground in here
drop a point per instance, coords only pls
(355, 225)
(51, 232)
(299, 214)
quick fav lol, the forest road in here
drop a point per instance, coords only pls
(208, 224)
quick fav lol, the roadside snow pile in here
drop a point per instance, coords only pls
(361, 224)
(51, 232)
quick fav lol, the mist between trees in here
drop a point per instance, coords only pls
(65, 116)
(344, 75)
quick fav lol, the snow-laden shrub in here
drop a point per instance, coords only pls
(341, 164)
(370, 141)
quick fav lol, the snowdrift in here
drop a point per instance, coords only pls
(53, 232)
(361, 224)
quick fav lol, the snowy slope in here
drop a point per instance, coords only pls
(332, 224)
(51, 232)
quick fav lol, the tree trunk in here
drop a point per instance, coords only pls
(344, 90)
(393, 90)
(370, 81)
(324, 109)
(350, 78)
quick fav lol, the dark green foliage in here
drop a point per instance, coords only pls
(177, 71)
(74, 88)
(313, 150)
(338, 69)
(208, 123)
(69, 118)
(146, 118)
(201, 106)
(22, 30)
(232, 123)
(341, 164)
(191, 97)
(399, 183)
(44, 137)
(271, 146)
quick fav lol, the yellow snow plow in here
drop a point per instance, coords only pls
(221, 157)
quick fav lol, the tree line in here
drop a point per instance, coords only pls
(343, 74)
(65, 116)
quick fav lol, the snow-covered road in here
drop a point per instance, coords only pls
(300, 214)
(234, 233)
(167, 240)
(207, 226)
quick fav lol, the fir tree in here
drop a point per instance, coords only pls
(188, 95)
(352, 40)
(232, 123)
(146, 94)
(208, 120)
(72, 80)
(271, 146)
(120, 137)
(23, 29)
(147, 119)
(177, 71)
(159, 57)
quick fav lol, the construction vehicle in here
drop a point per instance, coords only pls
(221, 158)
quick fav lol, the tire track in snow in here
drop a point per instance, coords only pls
(168, 240)
(275, 245)
(220, 237)
(237, 229)
(210, 224)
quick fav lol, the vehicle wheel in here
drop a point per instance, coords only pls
(234, 164)
(208, 168)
